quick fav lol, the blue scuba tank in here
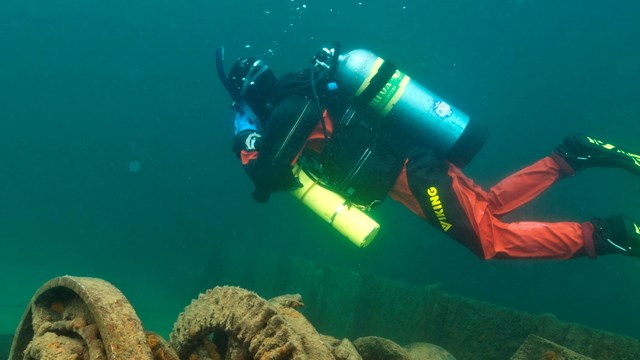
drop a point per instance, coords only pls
(377, 84)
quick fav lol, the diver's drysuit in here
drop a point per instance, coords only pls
(350, 147)
(365, 161)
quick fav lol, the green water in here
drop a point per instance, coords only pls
(116, 140)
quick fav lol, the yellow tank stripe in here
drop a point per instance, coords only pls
(401, 87)
(372, 73)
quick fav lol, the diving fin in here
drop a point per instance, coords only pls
(582, 152)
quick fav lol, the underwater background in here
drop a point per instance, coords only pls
(116, 161)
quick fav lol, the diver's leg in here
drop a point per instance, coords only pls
(523, 186)
(425, 187)
(617, 234)
(577, 152)
(561, 240)
(535, 240)
(451, 202)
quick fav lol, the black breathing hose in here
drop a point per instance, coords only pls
(221, 73)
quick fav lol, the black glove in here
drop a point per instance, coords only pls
(272, 181)
(260, 196)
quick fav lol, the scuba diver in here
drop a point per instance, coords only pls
(358, 128)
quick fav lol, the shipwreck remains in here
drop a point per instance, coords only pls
(332, 314)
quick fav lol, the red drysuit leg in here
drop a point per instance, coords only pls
(520, 239)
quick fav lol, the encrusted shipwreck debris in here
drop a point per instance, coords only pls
(232, 317)
(536, 347)
(89, 319)
(74, 318)
(80, 318)
(377, 348)
(424, 351)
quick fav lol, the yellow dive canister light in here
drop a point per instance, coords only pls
(350, 221)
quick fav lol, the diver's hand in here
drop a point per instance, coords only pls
(261, 196)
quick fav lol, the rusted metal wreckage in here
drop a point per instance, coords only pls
(87, 318)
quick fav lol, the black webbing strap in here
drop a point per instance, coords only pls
(379, 80)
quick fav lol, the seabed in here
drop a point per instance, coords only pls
(326, 313)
